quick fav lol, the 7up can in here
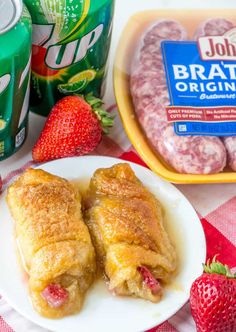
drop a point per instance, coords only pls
(71, 40)
(15, 51)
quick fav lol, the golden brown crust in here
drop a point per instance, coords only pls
(53, 239)
(126, 225)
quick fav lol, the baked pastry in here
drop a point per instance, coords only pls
(54, 242)
(126, 224)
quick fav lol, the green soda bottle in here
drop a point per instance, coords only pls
(71, 40)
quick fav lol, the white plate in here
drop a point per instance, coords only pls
(102, 311)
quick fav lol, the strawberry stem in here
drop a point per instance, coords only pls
(105, 118)
(218, 268)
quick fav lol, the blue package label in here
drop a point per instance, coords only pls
(201, 85)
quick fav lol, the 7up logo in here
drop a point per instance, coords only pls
(4, 81)
(60, 56)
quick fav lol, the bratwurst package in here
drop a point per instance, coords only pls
(182, 83)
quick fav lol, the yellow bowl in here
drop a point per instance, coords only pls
(125, 52)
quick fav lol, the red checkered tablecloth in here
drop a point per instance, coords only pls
(215, 204)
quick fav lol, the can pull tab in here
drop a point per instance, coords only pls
(10, 13)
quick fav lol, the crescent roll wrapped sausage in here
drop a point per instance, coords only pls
(53, 240)
(126, 224)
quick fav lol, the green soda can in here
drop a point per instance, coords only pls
(71, 40)
(15, 57)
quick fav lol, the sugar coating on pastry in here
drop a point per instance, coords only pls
(54, 241)
(126, 224)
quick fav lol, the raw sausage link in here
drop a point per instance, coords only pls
(213, 27)
(186, 154)
(230, 144)
(218, 27)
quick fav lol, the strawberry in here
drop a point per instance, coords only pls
(213, 299)
(55, 295)
(149, 280)
(0, 183)
(73, 128)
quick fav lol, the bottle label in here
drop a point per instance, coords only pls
(201, 79)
